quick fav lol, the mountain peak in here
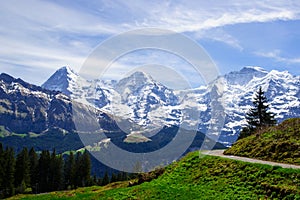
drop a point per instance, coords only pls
(6, 78)
(253, 69)
(61, 80)
(140, 75)
(66, 69)
(134, 81)
(245, 75)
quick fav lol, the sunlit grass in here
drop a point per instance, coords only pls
(197, 177)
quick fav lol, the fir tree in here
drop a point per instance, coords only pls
(78, 177)
(44, 175)
(113, 178)
(22, 171)
(105, 179)
(85, 163)
(70, 171)
(56, 172)
(9, 170)
(259, 116)
(33, 158)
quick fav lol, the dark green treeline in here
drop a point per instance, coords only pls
(32, 172)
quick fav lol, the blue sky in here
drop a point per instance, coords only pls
(38, 37)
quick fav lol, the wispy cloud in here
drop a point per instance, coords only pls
(49, 34)
(195, 16)
(219, 35)
(276, 55)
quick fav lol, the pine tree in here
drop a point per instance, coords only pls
(259, 116)
(9, 171)
(78, 177)
(113, 178)
(70, 171)
(56, 172)
(22, 172)
(85, 163)
(33, 158)
(105, 179)
(44, 175)
(94, 180)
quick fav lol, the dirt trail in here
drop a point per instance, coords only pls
(251, 160)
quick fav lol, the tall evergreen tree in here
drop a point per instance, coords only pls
(78, 177)
(259, 115)
(56, 172)
(105, 179)
(44, 171)
(70, 171)
(113, 178)
(9, 171)
(33, 158)
(22, 171)
(85, 163)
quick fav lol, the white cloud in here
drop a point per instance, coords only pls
(196, 16)
(48, 35)
(276, 55)
(219, 35)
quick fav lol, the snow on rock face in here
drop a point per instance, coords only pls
(70, 83)
(63, 80)
(245, 75)
(144, 102)
(281, 89)
(147, 102)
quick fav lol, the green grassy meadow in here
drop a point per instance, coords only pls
(198, 177)
(279, 143)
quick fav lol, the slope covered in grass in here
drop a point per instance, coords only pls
(279, 143)
(196, 177)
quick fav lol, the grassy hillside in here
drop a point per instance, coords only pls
(279, 143)
(196, 177)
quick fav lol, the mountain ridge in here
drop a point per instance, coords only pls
(149, 107)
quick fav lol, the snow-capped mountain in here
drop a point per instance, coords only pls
(29, 108)
(91, 92)
(64, 80)
(281, 88)
(138, 101)
(147, 100)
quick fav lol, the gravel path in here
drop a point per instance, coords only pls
(251, 160)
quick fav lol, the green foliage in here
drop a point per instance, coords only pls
(196, 177)
(22, 171)
(31, 173)
(8, 167)
(33, 159)
(56, 172)
(278, 143)
(70, 171)
(105, 179)
(259, 116)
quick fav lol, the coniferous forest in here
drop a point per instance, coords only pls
(38, 172)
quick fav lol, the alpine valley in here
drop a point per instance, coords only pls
(136, 112)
